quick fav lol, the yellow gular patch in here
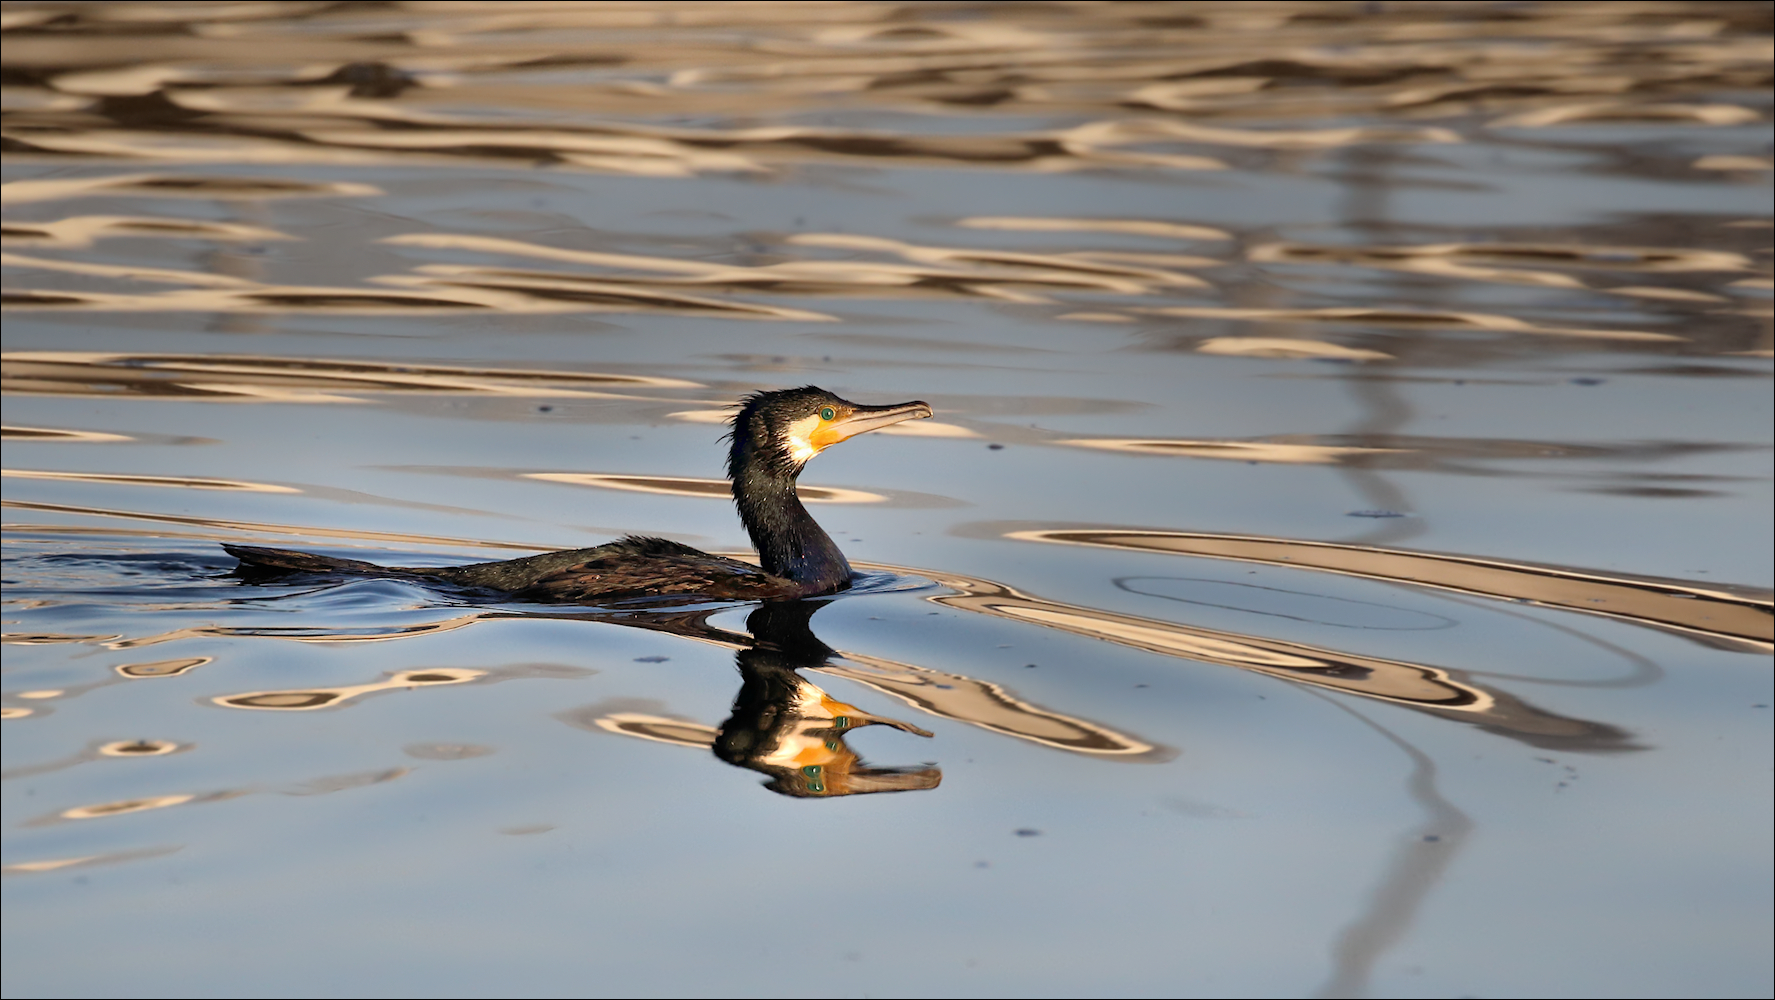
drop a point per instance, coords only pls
(827, 435)
(803, 435)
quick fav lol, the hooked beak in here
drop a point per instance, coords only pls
(872, 418)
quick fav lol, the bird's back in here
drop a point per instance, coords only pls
(627, 568)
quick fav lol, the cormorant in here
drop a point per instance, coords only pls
(774, 434)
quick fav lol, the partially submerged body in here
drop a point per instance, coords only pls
(629, 568)
(774, 434)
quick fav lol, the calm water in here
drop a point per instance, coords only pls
(1340, 563)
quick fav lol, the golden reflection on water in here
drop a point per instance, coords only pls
(162, 668)
(317, 633)
(257, 529)
(99, 750)
(1287, 453)
(61, 435)
(1153, 87)
(993, 707)
(81, 231)
(1449, 694)
(932, 269)
(689, 486)
(46, 638)
(360, 87)
(1288, 347)
(142, 748)
(307, 699)
(1724, 616)
(1131, 227)
(249, 378)
(86, 860)
(1449, 455)
(126, 806)
(158, 185)
(800, 266)
(1408, 318)
(126, 479)
(1509, 262)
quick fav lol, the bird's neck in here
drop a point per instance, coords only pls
(790, 543)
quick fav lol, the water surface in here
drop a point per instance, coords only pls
(1340, 563)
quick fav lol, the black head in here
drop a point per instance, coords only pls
(778, 431)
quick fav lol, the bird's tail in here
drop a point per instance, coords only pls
(254, 559)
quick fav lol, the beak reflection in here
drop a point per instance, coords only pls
(787, 728)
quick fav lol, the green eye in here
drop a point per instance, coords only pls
(827, 413)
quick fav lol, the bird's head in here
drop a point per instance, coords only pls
(780, 430)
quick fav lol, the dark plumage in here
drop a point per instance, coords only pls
(773, 435)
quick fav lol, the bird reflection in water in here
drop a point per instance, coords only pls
(782, 725)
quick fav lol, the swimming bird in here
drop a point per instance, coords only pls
(774, 434)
